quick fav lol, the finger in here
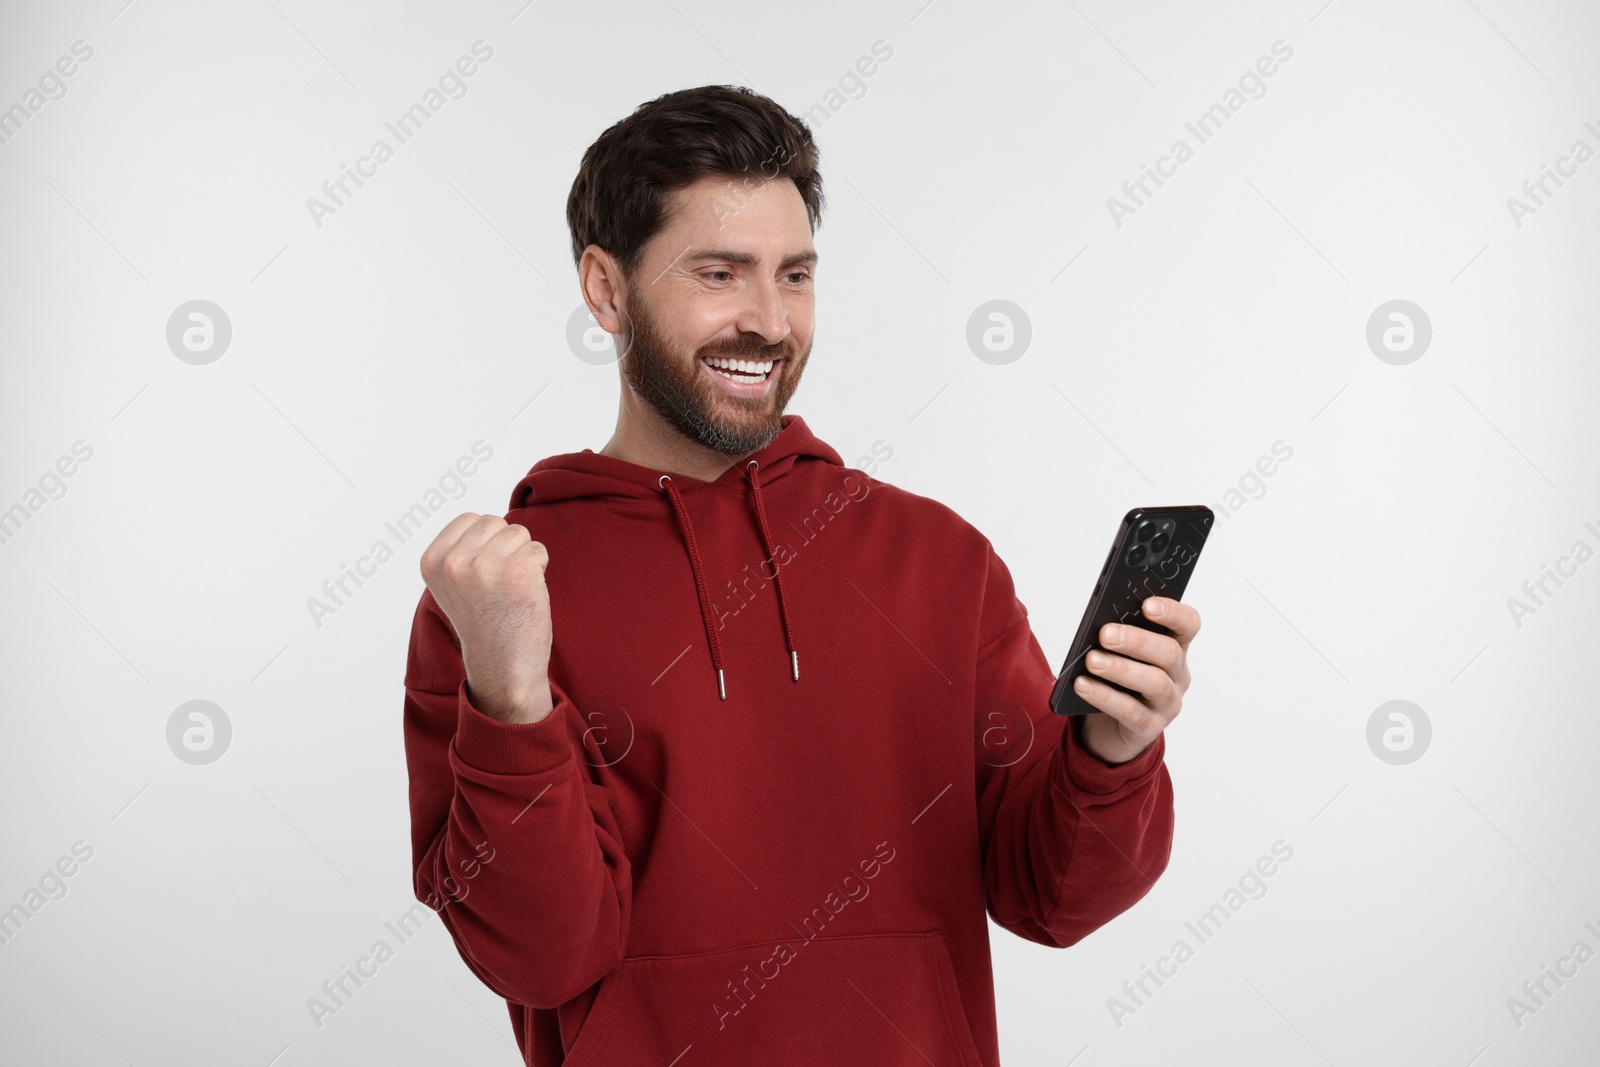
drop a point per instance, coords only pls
(1139, 643)
(445, 540)
(536, 552)
(479, 534)
(516, 546)
(1129, 711)
(1153, 683)
(1180, 618)
(453, 529)
(506, 541)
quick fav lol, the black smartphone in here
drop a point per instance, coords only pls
(1153, 555)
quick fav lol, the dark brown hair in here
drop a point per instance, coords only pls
(618, 200)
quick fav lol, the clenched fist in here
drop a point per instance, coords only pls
(488, 576)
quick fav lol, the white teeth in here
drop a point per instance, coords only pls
(744, 366)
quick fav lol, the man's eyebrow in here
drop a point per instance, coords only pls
(793, 259)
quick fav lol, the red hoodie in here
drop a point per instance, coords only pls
(799, 870)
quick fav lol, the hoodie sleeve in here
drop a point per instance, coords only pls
(1069, 842)
(514, 844)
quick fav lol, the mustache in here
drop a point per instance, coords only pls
(741, 349)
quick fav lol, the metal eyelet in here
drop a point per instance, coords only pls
(663, 478)
(752, 463)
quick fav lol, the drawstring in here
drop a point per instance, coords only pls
(707, 617)
(699, 579)
(777, 571)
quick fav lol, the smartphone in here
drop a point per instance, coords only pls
(1154, 554)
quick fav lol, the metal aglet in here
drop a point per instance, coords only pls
(794, 658)
(722, 690)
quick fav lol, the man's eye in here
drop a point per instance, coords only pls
(717, 274)
(799, 276)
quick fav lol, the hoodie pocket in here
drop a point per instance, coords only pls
(884, 999)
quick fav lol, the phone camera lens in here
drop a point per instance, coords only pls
(1145, 530)
(1160, 541)
(1135, 555)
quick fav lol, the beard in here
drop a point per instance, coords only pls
(691, 403)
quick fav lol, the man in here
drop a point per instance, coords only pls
(721, 752)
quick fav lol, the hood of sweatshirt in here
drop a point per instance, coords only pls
(589, 474)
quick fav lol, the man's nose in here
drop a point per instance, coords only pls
(764, 313)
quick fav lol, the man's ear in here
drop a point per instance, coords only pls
(601, 282)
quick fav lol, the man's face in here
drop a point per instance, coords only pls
(729, 277)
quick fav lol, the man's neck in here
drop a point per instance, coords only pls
(647, 441)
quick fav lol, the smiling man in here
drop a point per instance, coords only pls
(668, 831)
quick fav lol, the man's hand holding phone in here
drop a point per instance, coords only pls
(1154, 665)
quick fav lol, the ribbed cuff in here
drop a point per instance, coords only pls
(513, 747)
(1094, 775)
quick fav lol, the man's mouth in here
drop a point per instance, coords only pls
(742, 371)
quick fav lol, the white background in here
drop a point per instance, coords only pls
(430, 311)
